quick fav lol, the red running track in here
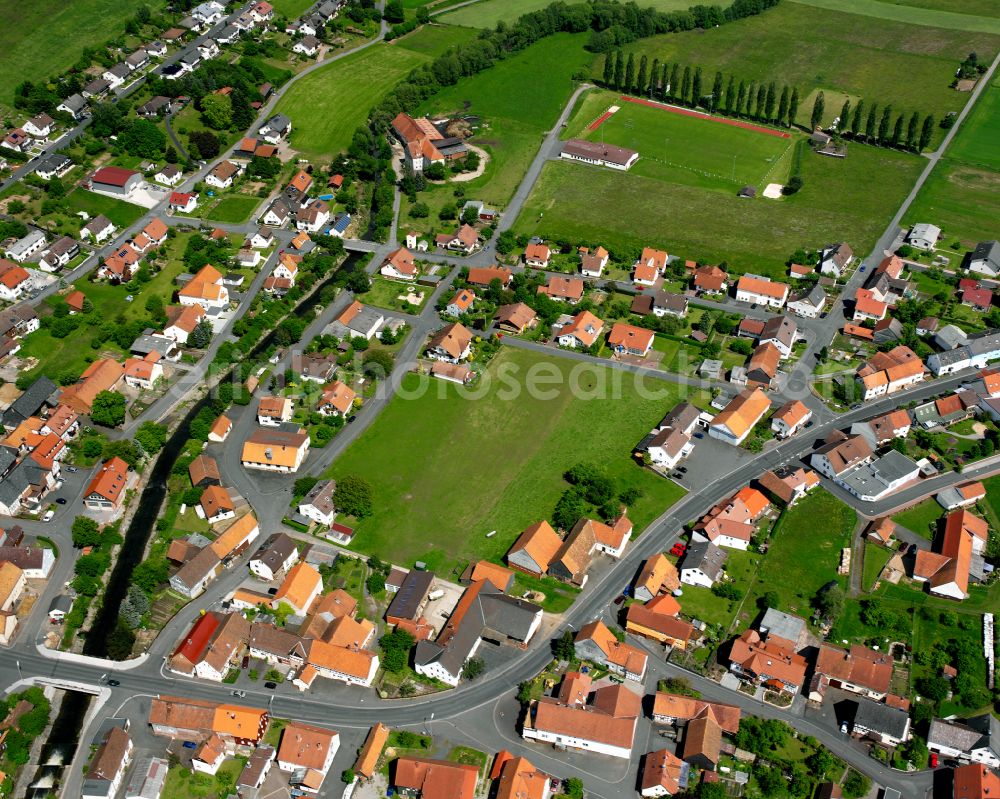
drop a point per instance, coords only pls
(599, 121)
(698, 115)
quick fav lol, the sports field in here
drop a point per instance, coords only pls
(487, 13)
(447, 470)
(44, 37)
(581, 203)
(326, 106)
(963, 192)
(882, 60)
(683, 149)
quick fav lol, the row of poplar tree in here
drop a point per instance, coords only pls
(763, 102)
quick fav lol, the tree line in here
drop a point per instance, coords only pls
(762, 101)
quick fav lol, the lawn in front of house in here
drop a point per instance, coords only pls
(558, 595)
(183, 783)
(698, 602)
(235, 208)
(921, 518)
(756, 235)
(875, 559)
(386, 293)
(447, 469)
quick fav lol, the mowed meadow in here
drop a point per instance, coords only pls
(582, 203)
(42, 38)
(962, 194)
(447, 470)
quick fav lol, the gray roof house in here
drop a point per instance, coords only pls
(881, 722)
(490, 614)
(39, 393)
(979, 351)
(703, 564)
(971, 740)
(73, 105)
(783, 625)
(985, 258)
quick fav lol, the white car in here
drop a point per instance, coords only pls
(49, 515)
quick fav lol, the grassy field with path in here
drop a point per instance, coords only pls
(447, 470)
(327, 105)
(985, 8)
(711, 225)
(932, 13)
(907, 65)
(434, 40)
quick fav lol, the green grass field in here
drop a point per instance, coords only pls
(921, 518)
(803, 558)
(963, 192)
(121, 213)
(487, 13)
(446, 470)
(932, 13)
(703, 224)
(435, 40)
(681, 149)
(236, 208)
(875, 559)
(45, 37)
(291, 8)
(909, 66)
(327, 105)
(514, 119)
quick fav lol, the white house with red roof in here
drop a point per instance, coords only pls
(183, 202)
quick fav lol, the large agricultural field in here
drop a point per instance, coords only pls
(965, 15)
(714, 224)
(883, 61)
(447, 470)
(986, 8)
(963, 192)
(44, 37)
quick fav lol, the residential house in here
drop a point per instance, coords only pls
(603, 721)
(790, 418)
(216, 504)
(168, 175)
(883, 429)
(975, 295)
(762, 290)
(768, 661)
(223, 174)
(535, 549)
(356, 320)
(516, 318)
(307, 752)
(583, 331)
(835, 258)
(220, 430)
(107, 487)
(423, 144)
(949, 568)
(204, 472)
(108, 766)
(974, 352)
(278, 554)
(658, 574)
(588, 536)
(538, 255)
(658, 620)
(663, 774)
(859, 670)
(840, 453)
(678, 710)
(961, 495)
(889, 372)
(23, 248)
(453, 343)
(318, 504)
(464, 240)
(781, 332)
(143, 373)
(215, 642)
(307, 46)
(592, 263)
(273, 411)
(710, 280)
(275, 450)
(399, 265)
(484, 276)
(808, 304)
(181, 321)
(15, 281)
(75, 105)
(183, 202)
(596, 643)
(703, 564)
(461, 303)
(985, 259)
(975, 739)
(337, 399)
(427, 778)
(736, 421)
(55, 165)
(867, 308)
(625, 339)
(880, 722)
(923, 236)
(564, 289)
